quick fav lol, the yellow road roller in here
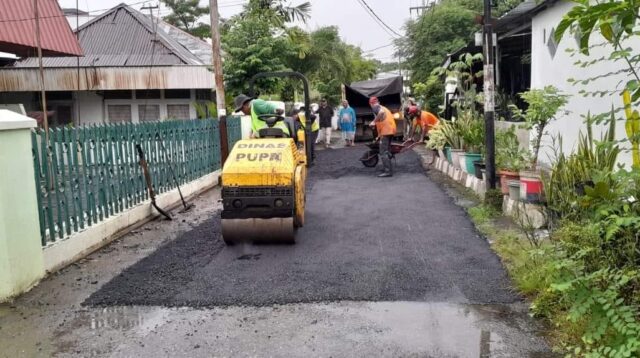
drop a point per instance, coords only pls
(263, 180)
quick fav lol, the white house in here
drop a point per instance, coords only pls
(555, 64)
(134, 69)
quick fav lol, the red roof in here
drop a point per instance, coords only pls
(18, 29)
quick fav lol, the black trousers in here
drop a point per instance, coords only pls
(314, 137)
(385, 153)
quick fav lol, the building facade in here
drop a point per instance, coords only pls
(135, 68)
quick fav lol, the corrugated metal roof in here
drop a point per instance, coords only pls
(193, 44)
(122, 37)
(18, 29)
(521, 15)
(522, 8)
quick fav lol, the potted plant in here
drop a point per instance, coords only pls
(479, 167)
(513, 189)
(437, 140)
(542, 108)
(473, 136)
(451, 132)
(510, 158)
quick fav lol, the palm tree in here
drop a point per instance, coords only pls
(284, 12)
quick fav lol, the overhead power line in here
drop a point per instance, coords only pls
(378, 48)
(379, 20)
(376, 20)
(57, 16)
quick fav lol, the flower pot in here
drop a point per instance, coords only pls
(530, 186)
(470, 158)
(455, 157)
(513, 187)
(463, 161)
(506, 175)
(478, 167)
(447, 153)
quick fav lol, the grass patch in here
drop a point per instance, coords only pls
(529, 267)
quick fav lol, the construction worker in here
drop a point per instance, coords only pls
(385, 125)
(426, 120)
(409, 103)
(299, 116)
(256, 108)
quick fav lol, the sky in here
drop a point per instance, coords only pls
(356, 26)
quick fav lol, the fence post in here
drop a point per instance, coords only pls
(21, 258)
(224, 141)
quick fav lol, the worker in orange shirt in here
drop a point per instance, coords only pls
(385, 125)
(426, 121)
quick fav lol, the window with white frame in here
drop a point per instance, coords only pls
(148, 112)
(178, 111)
(118, 113)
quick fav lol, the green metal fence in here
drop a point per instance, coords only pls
(234, 130)
(91, 173)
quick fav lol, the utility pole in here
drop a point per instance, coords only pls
(419, 9)
(489, 101)
(43, 95)
(218, 78)
(154, 24)
(45, 118)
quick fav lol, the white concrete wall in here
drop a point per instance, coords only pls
(93, 110)
(556, 71)
(90, 105)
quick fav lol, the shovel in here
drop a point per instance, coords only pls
(147, 178)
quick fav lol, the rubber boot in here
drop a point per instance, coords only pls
(386, 163)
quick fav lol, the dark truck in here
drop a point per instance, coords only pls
(389, 93)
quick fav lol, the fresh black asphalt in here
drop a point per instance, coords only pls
(365, 238)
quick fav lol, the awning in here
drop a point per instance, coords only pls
(18, 29)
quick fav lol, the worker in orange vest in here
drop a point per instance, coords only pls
(385, 125)
(424, 119)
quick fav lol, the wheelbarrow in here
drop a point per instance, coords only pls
(370, 158)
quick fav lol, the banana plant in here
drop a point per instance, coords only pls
(632, 127)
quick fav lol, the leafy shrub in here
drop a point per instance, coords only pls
(509, 155)
(542, 107)
(437, 138)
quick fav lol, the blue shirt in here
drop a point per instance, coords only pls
(347, 119)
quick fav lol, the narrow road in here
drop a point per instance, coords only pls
(383, 267)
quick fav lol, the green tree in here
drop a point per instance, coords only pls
(330, 62)
(430, 94)
(186, 14)
(251, 46)
(277, 11)
(442, 30)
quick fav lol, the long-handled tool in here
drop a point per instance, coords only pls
(147, 178)
(186, 207)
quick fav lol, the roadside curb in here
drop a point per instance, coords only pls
(518, 210)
